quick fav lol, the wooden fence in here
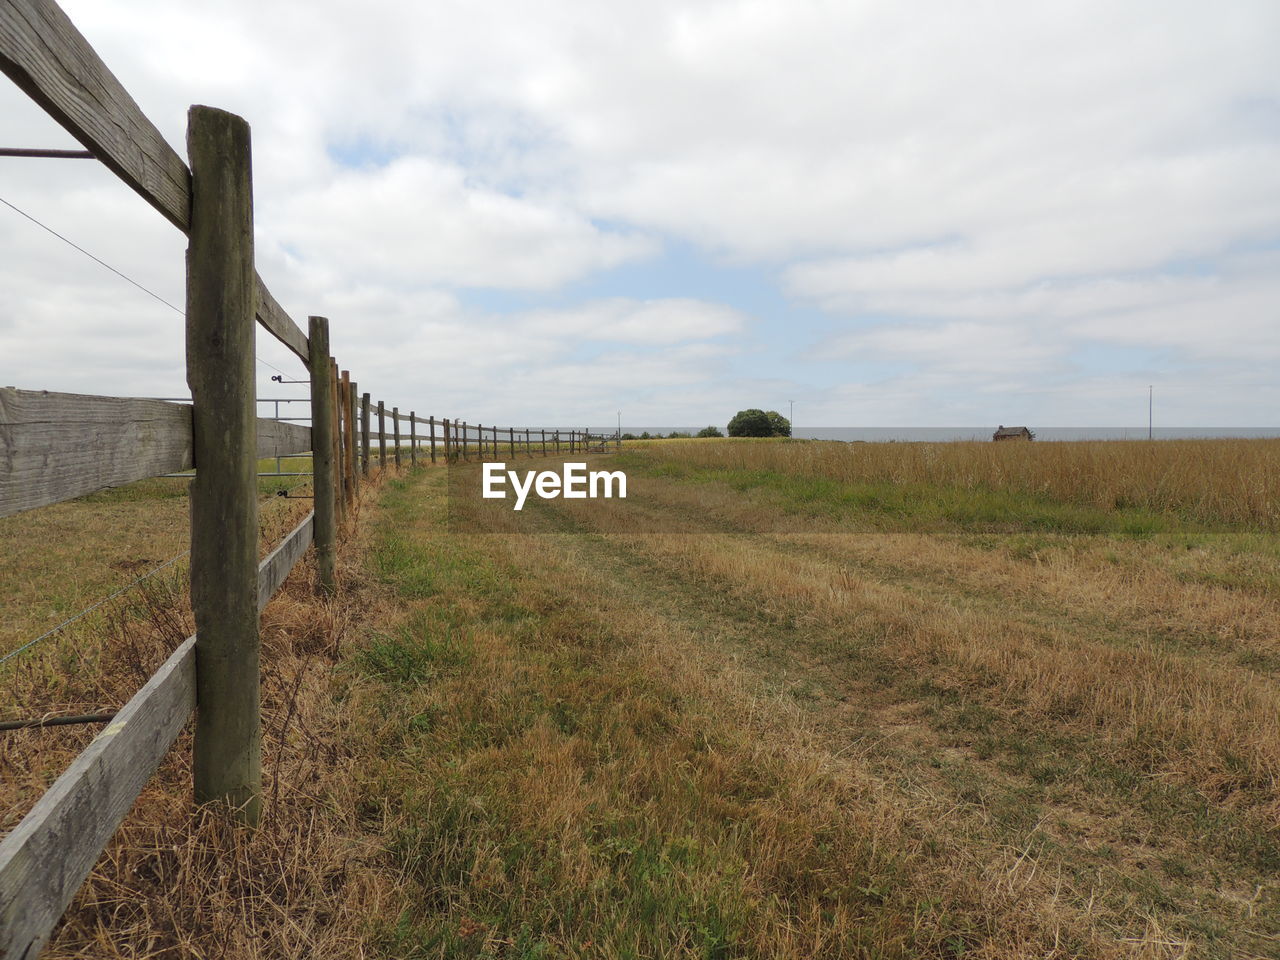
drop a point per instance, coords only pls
(57, 446)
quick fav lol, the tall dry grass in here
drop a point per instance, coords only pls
(175, 880)
(1208, 481)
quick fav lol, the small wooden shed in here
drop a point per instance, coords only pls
(1012, 433)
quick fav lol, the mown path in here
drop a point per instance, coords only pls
(589, 743)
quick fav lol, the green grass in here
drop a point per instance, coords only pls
(912, 507)
(590, 745)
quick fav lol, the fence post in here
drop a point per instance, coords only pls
(544, 442)
(348, 451)
(395, 426)
(353, 449)
(382, 436)
(324, 482)
(222, 296)
(365, 403)
(511, 438)
(413, 438)
(336, 441)
(432, 422)
(464, 440)
(447, 451)
(480, 440)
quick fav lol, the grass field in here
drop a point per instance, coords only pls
(837, 721)
(958, 743)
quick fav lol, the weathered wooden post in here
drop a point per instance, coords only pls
(336, 439)
(544, 442)
(413, 439)
(448, 452)
(557, 443)
(353, 450)
(395, 426)
(222, 296)
(480, 439)
(462, 429)
(348, 440)
(366, 448)
(431, 421)
(528, 448)
(382, 436)
(322, 465)
(511, 438)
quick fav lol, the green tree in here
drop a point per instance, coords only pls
(710, 432)
(780, 425)
(750, 423)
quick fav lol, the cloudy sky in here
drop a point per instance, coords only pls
(893, 213)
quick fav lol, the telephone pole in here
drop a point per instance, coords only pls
(1150, 394)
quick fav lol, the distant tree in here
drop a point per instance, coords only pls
(710, 432)
(645, 436)
(781, 425)
(629, 436)
(759, 423)
(677, 435)
(750, 423)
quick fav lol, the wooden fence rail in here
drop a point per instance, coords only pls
(58, 446)
(46, 857)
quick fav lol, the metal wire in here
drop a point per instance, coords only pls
(122, 276)
(96, 260)
(56, 721)
(150, 573)
(88, 610)
(46, 154)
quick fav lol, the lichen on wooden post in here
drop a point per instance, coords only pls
(366, 448)
(221, 300)
(322, 449)
(353, 445)
(382, 436)
(395, 426)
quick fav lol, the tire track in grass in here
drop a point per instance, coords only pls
(1026, 761)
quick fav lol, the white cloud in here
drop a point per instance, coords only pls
(645, 321)
(416, 223)
(935, 177)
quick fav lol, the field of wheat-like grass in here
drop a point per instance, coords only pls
(1208, 481)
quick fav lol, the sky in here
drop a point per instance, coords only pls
(891, 213)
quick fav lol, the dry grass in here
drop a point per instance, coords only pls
(175, 881)
(583, 743)
(1037, 745)
(1210, 481)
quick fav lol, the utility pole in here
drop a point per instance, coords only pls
(791, 417)
(1150, 394)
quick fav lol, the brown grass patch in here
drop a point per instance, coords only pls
(176, 881)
